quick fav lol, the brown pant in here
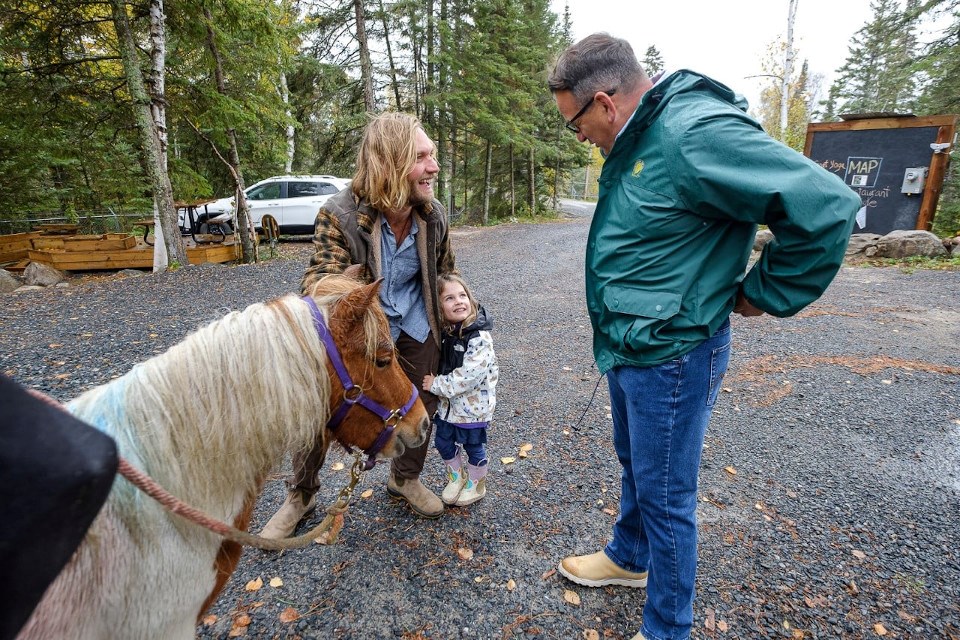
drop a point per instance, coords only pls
(417, 361)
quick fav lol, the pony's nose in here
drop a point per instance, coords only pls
(423, 430)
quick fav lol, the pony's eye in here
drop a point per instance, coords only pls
(383, 361)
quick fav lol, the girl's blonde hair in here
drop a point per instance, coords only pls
(452, 278)
(386, 156)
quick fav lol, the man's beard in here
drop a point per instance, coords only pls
(417, 197)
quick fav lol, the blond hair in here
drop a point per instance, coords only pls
(452, 278)
(387, 154)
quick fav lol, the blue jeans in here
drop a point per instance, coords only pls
(660, 415)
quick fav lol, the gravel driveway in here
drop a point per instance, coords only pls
(830, 487)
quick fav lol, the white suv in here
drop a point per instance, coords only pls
(292, 200)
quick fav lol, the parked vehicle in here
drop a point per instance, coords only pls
(292, 200)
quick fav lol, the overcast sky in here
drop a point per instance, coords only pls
(725, 39)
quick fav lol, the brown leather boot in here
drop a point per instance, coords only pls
(284, 522)
(423, 502)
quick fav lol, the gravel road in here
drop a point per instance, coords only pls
(830, 487)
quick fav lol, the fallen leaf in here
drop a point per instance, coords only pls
(526, 447)
(886, 382)
(289, 615)
(547, 574)
(730, 470)
(254, 585)
(567, 369)
(609, 511)
(906, 616)
(571, 597)
(522, 454)
(276, 582)
(478, 579)
(55, 345)
(710, 622)
(859, 555)
(337, 466)
(465, 554)
(367, 493)
(591, 634)
(508, 460)
(257, 604)
(210, 619)
(722, 626)
(511, 585)
(727, 390)
(880, 629)
(852, 588)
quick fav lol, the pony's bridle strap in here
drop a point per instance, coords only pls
(353, 394)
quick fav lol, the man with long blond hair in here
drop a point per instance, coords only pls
(389, 224)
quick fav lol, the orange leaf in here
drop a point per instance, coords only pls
(880, 629)
(571, 597)
(210, 619)
(731, 470)
(289, 615)
(254, 585)
(465, 554)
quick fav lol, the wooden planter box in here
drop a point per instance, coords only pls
(15, 246)
(127, 258)
(103, 242)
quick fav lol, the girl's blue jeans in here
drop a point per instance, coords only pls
(444, 441)
(660, 416)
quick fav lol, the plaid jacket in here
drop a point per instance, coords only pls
(347, 232)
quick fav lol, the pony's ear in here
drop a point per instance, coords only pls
(354, 305)
(355, 271)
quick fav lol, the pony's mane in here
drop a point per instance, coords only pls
(233, 396)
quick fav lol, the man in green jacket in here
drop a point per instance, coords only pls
(687, 177)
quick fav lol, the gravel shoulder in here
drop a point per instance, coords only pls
(830, 485)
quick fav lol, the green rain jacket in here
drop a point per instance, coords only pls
(681, 194)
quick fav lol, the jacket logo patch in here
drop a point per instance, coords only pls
(458, 347)
(637, 168)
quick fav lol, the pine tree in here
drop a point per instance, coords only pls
(652, 61)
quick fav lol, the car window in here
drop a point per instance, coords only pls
(302, 189)
(269, 191)
(327, 189)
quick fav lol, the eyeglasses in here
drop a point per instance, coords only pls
(576, 128)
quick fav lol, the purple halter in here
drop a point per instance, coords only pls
(353, 394)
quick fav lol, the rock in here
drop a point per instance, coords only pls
(29, 287)
(903, 243)
(861, 242)
(42, 275)
(8, 281)
(763, 237)
(130, 273)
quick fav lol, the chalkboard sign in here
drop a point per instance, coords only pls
(889, 162)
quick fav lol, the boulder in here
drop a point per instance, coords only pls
(860, 242)
(904, 243)
(42, 275)
(8, 281)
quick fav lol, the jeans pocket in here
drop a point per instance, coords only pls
(719, 359)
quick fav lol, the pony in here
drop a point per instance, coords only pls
(209, 419)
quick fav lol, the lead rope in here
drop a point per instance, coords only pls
(589, 402)
(324, 533)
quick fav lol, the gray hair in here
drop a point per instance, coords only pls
(599, 62)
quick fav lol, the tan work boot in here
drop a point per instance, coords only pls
(639, 636)
(284, 522)
(423, 502)
(597, 570)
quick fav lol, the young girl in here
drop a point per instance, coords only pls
(466, 387)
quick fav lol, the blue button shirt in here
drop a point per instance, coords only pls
(401, 293)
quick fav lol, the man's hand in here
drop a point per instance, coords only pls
(744, 308)
(428, 381)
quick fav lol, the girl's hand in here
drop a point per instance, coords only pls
(428, 381)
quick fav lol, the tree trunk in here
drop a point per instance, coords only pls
(244, 225)
(366, 67)
(488, 164)
(290, 129)
(158, 108)
(149, 138)
(532, 172)
(787, 72)
(513, 186)
(393, 66)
